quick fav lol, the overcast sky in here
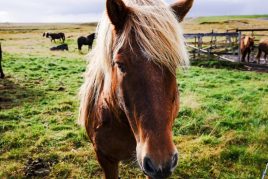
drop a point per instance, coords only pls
(90, 10)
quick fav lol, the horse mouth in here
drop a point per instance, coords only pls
(159, 175)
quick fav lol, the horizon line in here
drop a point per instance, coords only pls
(92, 22)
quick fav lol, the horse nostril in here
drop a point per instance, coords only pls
(148, 165)
(174, 161)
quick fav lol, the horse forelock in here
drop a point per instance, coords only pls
(158, 35)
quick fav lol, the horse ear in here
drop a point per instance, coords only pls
(181, 8)
(117, 12)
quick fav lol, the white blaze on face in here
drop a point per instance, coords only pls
(141, 150)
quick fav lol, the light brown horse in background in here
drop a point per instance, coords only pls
(130, 97)
(246, 46)
(263, 48)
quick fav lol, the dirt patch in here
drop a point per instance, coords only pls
(263, 68)
(37, 168)
(257, 68)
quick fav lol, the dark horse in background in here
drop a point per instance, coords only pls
(263, 49)
(246, 46)
(85, 41)
(61, 47)
(54, 36)
(130, 97)
(2, 75)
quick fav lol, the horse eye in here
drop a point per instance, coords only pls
(122, 67)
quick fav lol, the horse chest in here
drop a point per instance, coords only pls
(113, 137)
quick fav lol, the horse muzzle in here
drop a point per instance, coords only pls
(159, 171)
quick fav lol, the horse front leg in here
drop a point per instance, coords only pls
(249, 52)
(244, 57)
(258, 57)
(109, 166)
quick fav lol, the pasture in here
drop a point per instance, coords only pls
(221, 130)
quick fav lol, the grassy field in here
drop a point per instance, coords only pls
(230, 18)
(221, 130)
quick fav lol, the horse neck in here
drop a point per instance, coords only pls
(242, 43)
(247, 42)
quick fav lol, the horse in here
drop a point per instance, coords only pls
(246, 46)
(61, 47)
(130, 99)
(2, 75)
(55, 36)
(85, 41)
(263, 48)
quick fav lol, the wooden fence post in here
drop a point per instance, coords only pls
(200, 44)
(238, 43)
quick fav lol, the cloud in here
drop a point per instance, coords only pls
(50, 10)
(91, 10)
(229, 7)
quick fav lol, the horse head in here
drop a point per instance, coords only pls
(47, 35)
(147, 47)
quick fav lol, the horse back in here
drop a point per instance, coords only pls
(263, 46)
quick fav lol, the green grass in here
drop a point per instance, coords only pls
(221, 130)
(207, 19)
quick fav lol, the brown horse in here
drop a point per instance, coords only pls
(263, 48)
(2, 75)
(130, 96)
(246, 46)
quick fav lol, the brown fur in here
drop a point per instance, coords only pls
(137, 112)
(246, 45)
(263, 48)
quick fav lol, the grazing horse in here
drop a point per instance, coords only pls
(61, 47)
(263, 48)
(85, 41)
(129, 99)
(2, 75)
(246, 45)
(54, 36)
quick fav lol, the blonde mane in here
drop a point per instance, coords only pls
(158, 35)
